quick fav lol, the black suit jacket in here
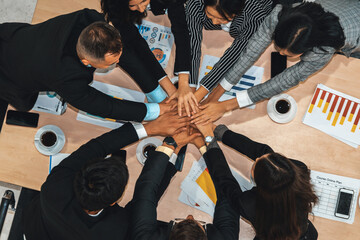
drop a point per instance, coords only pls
(132, 39)
(144, 224)
(245, 202)
(43, 57)
(56, 214)
(176, 13)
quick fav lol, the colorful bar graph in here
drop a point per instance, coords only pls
(321, 98)
(338, 111)
(314, 100)
(356, 121)
(352, 112)
(345, 112)
(327, 102)
(333, 105)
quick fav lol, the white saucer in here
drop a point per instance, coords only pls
(278, 117)
(59, 144)
(145, 142)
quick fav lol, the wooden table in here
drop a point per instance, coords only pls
(23, 165)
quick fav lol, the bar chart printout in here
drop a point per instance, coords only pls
(335, 113)
(252, 77)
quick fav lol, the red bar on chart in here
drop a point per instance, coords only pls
(327, 102)
(356, 121)
(345, 112)
(314, 100)
(338, 111)
(352, 112)
(332, 107)
(321, 98)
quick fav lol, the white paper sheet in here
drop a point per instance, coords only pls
(49, 102)
(327, 189)
(252, 77)
(160, 40)
(56, 160)
(114, 91)
(335, 113)
(193, 195)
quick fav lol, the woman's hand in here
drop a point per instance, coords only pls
(186, 99)
(209, 113)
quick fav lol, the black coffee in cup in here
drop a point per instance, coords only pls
(48, 139)
(282, 106)
(148, 148)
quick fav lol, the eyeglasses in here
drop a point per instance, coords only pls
(178, 220)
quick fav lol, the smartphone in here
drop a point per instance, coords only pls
(25, 119)
(343, 204)
(278, 63)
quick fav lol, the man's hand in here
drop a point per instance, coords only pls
(199, 141)
(182, 138)
(167, 124)
(164, 108)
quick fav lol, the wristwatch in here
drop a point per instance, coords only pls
(170, 141)
(209, 139)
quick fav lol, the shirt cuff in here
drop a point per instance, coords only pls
(226, 85)
(162, 78)
(243, 99)
(157, 95)
(182, 72)
(153, 111)
(166, 150)
(219, 131)
(173, 158)
(140, 130)
(193, 85)
(202, 150)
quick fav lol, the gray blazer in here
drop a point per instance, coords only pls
(348, 12)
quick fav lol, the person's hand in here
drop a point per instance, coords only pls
(198, 141)
(186, 99)
(167, 124)
(206, 129)
(209, 113)
(164, 108)
(183, 137)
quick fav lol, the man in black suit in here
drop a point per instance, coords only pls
(144, 223)
(78, 199)
(61, 55)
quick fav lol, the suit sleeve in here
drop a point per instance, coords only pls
(176, 13)
(84, 97)
(145, 200)
(228, 191)
(249, 22)
(194, 20)
(245, 145)
(131, 37)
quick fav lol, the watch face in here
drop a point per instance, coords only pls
(170, 141)
(208, 139)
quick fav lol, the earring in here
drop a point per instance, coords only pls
(89, 65)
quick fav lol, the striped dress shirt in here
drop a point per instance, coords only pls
(242, 28)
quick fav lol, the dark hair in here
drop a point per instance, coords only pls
(100, 183)
(307, 26)
(98, 39)
(187, 230)
(119, 11)
(283, 188)
(226, 7)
